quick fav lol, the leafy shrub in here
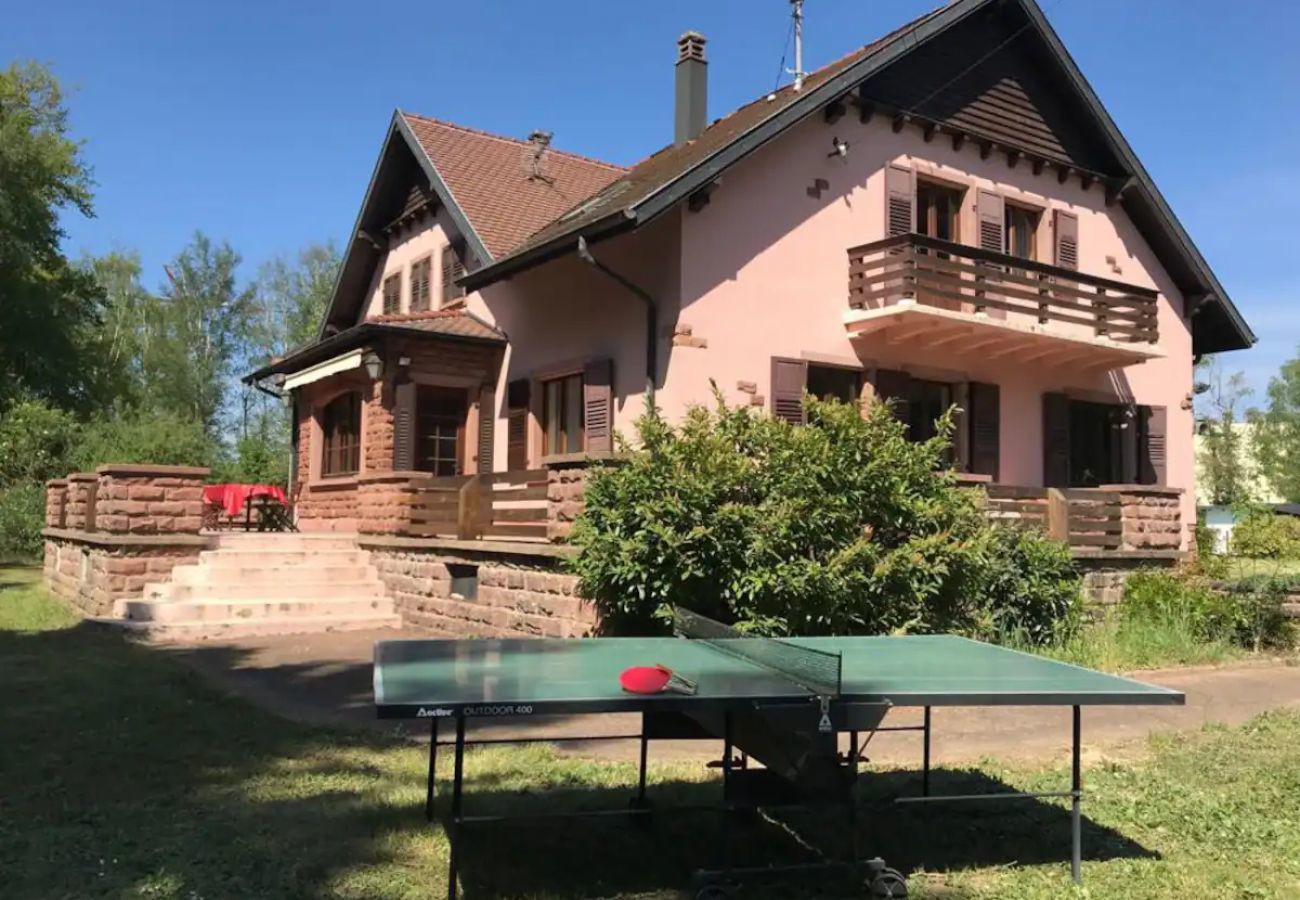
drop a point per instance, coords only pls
(1252, 619)
(22, 517)
(1266, 535)
(144, 437)
(36, 442)
(1031, 592)
(840, 527)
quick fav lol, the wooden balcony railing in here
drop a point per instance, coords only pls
(1129, 518)
(956, 277)
(469, 507)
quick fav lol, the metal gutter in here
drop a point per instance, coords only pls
(651, 314)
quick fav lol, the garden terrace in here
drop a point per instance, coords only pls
(1001, 306)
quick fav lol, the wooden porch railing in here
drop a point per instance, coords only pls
(956, 277)
(1092, 520)
(469, 507)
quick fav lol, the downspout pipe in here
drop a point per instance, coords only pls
(651, 314)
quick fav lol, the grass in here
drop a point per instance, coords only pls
(1245, 567)
(123, 775)
(1118, 644)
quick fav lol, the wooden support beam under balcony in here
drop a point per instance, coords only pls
(967, 301)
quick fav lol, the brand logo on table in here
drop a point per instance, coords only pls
(432, 713)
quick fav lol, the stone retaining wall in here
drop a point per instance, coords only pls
(565, 489)
(111, 532)
(520, 592)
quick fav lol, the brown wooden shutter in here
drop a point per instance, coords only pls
(518, 394)
(789, 379)
(404, 425)
(991, 210)
(895, 388)
(900, 200)
(1056, 440)
(453, 267)
(487, 421)
(1065, 238)
(985, 429)
(598, 405)
(1153, 430)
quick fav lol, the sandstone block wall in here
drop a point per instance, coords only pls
(56, 503)
(565, 488)
(150, 499)
(1152, 518)
(517, 596)
(92, 577)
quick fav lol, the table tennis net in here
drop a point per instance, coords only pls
(818, 671)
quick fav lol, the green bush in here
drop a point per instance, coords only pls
(1247, 618)
(1266, 535)
(22, 517)
(36, 442)
(144, 437)
(841, 527)
(1031, 592)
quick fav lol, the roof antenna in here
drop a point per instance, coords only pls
(797, 71)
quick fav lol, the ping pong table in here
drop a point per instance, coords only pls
(783, 703)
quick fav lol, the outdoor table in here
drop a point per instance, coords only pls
(233, 497)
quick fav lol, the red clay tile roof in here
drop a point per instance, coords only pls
(489, 178)
(665, 166)
(453, 322)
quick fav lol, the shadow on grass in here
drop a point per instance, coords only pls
(122, 773)
(602, 856)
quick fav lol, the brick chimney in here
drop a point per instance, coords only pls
(692, 105)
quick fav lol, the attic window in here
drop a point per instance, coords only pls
(420, 272)
(392, 294)
(453, 267)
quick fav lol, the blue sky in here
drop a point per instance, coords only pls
(259, 123)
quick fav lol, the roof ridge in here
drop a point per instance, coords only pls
(510, 140)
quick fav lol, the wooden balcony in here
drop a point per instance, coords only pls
(963, 300)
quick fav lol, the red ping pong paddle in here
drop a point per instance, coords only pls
(655, 679)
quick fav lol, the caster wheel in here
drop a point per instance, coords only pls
(714, 892)
(886, 885)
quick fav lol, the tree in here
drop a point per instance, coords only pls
(291, 299)
(1225, 468)
(1277, 433)
(49, 309)
(196, 333)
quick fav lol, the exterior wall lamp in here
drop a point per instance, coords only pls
(373, 364)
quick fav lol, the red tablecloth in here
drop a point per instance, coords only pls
(232, 497)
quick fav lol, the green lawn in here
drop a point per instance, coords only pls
(122, 775)
(1242, 567)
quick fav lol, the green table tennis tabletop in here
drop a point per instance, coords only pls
(431, 678)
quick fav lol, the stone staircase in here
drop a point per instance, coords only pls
(257, 584)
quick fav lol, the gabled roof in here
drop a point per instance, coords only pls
(512, 222)
(675, 173)
(491, 180)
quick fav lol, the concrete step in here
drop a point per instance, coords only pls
(296, 588)
(179, 612)
(275, 558)
(219, 629)
(271, 576)
(285, 542)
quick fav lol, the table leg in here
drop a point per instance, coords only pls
(433, 768)
(925, 756)
(645, 752)
(726, 792)
(853, 798)
(453, 836)
(1076, 798)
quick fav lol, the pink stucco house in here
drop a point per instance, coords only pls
(946, 216)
